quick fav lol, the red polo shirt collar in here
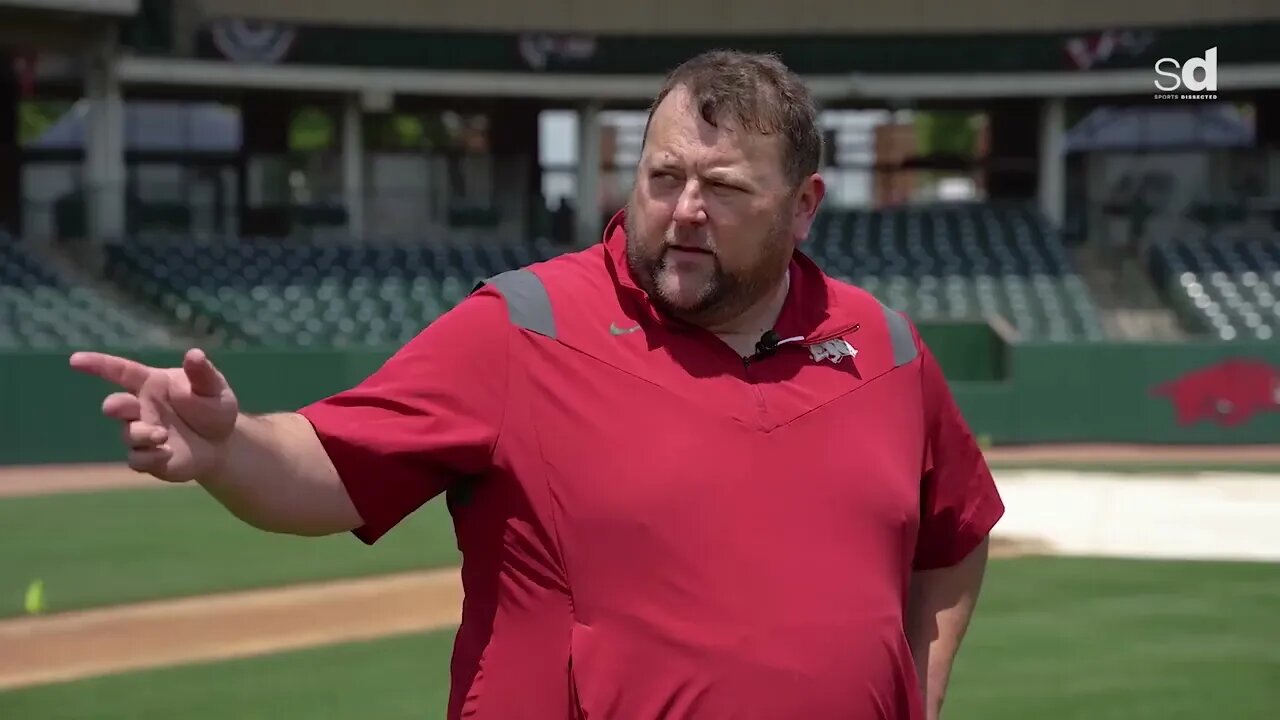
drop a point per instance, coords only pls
(810, 310)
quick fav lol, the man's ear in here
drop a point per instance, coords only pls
(808, 198)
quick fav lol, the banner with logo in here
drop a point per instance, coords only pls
(1133, 48)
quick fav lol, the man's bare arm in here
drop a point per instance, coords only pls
(276, 476)
(941, 602)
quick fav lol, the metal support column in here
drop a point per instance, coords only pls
(1053, 161)
(588, 212)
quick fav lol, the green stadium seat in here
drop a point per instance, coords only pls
(956, 262)
(41, 309)
(320, 294)
(1224, 286)
(961, 262)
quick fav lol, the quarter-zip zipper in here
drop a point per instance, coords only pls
(761, 406)
(845, 330)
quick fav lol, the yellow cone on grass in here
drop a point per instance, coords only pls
(34, 602)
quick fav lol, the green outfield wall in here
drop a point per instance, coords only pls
(1105, 393)
(51, 413)
(1012, 394)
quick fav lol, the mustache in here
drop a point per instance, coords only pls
(691, 248)
(672, 241)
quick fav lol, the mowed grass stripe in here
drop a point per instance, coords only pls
(1062, 639)
(1139, 640)
(106, 548)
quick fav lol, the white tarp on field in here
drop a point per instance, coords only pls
(1221, 516)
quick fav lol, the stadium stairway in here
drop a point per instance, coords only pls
(1129, 304)
(86, 269)
(48, 301)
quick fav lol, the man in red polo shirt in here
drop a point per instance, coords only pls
(691, 475)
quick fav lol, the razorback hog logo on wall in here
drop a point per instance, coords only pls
(1228, 393)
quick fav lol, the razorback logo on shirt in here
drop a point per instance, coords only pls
(1228, 393)
(832, 350)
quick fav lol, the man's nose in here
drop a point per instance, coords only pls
(689, 208)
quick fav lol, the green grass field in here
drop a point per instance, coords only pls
(122, 546)
(103, 548)
(1063, 639)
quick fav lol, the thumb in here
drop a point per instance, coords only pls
(205, 379)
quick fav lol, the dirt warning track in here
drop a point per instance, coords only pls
(27, 480)
(18, 481)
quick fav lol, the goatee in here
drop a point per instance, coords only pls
(725, 294)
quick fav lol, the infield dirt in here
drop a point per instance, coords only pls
(68, 646)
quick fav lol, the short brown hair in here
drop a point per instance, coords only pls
(760, 94)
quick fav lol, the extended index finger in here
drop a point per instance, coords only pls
(128, 374)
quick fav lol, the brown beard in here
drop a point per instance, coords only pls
(726, 294)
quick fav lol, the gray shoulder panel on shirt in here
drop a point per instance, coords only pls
(528, 304)
(904, 345)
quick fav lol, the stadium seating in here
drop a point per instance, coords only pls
(264, 293)
(962, 262)
(1226, 286)
(41, 309)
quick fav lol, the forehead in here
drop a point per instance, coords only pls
(678, 132)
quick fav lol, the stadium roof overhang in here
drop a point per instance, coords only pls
(65, 25)
(121, 8)
(142, 71)
(1061, 84)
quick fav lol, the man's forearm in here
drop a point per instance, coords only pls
(276, 476)
(940, 606)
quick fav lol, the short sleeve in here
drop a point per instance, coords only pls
(425, 419)
(959, 500)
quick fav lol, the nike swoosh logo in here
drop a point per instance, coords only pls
(615, 330)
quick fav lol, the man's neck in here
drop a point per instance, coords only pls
(745, 329)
